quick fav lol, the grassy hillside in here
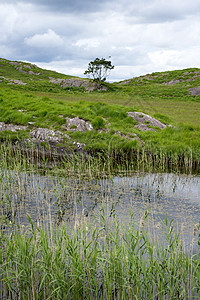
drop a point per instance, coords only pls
(39, 98)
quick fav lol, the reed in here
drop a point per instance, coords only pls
(90, 257)
(96, 260)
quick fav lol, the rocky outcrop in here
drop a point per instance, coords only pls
(21, 66)
(17, 82)
(144, 127)
(11, 127)
(13, 81)
(77, 124)
(195, 91)
(173, 81)
(145, 121)
(76, 82)
(48, 135)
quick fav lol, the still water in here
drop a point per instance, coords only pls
(52, 199)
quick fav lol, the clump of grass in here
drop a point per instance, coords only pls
(98, 123)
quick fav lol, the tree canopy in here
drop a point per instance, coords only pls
(99, 70)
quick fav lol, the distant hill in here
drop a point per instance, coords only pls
(167, 84)
(32, 77)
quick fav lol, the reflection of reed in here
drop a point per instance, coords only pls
(61, 196)
(75, 232)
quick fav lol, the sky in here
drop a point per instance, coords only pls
(141, 36)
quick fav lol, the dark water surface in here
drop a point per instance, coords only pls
(51, 199)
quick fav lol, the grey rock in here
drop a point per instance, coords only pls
(33, 73)
(173, 81)
(142, 118)
(11, 127)
(77, 124)
(79, 146)
(44, 134)
(2, 126)
(17, 82)
(14, 63)
(144, 127)
(125, 82)
(76, 82)
(106, 130)
(195, 91)
(27, 66)
(89, 126)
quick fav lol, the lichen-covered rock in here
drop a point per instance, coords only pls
(77, 124)
(44, 134)
(173, 81)
(195, 91)
(79, 146)
(17, 82)
(144, 127)
(76, 82)
(145, 120)
(11, 127)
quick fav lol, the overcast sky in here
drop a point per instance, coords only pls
(141, 36)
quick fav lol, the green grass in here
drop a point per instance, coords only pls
(47, 104)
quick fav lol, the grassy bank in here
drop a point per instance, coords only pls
(30, 98)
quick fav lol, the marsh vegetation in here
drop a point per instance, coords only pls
(119, 220)
(86, 230)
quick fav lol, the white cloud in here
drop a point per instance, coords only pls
(141, 36)
(87, 43)
(171, 59)
(46, 40)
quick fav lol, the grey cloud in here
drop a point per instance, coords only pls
(139, 35)
(156, 11)
(65, 6)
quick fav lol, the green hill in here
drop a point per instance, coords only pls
(33, 98)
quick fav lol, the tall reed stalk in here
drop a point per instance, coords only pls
(97, 260)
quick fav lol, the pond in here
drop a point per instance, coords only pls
(51, 199)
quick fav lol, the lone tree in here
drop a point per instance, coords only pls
(99, 70)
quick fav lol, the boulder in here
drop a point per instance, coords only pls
(77, 124)
(173, 81)
(144, 127)
(145, 120)
(48, 135)
(195, 91)
(76, 82)
(11, 127)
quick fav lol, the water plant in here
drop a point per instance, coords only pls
(96, 260)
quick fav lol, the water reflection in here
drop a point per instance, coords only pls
(60, 199)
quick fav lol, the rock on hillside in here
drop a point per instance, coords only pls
(44, 134)
(77, 124)
(11, 127)
(195, 91)
(76, 82)
(145, 121)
